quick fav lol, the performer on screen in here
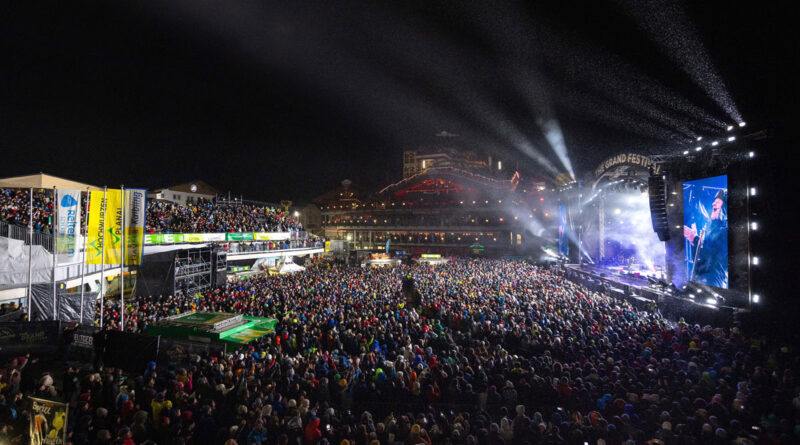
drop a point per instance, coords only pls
(710, 245)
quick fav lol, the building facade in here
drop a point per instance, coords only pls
(442, 209)
(182, 194)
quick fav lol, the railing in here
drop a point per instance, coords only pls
(264, 246)
(21, 233)
(237, 201)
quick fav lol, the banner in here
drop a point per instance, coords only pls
(175, 238)
(239, 236)
(270, 236)
(113, 242)
(48, 422)
(134, 225)
(97, 226)
(67, 226)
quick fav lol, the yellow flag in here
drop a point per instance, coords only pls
(113, 229)
(96, 227)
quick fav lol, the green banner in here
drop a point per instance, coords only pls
(239, 236)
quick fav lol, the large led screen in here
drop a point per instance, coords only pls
(705, 230)
(563, 238)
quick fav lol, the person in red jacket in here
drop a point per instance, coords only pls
(312, 432)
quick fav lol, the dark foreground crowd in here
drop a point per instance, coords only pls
(498, 352)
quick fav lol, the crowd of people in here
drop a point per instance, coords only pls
(15, 204)
(202, 216)
(207, 216)
(495, 352)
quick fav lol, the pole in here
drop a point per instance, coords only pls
(54, 222)
(30, 253)
(122, 266)
(103, 209)
(85, 242)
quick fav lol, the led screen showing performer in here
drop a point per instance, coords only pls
(705, 229)
(563, 240)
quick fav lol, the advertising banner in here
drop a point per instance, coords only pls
(97, 226)
(48, 422)
(134, 225)
(113, 241)
(174, 238)
(68, 226)
(239, 236)
(271, 236)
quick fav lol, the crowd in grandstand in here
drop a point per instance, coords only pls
(15, 208)
(206, 216)
(201, 216)
(499, 352)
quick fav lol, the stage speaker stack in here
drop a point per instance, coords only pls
(657, 190)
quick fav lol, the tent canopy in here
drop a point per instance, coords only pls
(290, 268)
(45, 181)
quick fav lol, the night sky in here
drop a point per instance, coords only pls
(283, 102)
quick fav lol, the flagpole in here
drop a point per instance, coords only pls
(122, 266)
(85, 244)
(104, 212)
(54, 222)
(30, 254)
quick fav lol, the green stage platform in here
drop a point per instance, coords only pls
(213, 327)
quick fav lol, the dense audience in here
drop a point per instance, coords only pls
(15, 208)
(202, 216)
(205, 216)
(498, 352)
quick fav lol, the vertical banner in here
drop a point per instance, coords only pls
(113, 230)
(134, 225)
(48, 422)
(96, 228)
(68, 226)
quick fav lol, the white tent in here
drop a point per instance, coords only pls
(290, 268)
(14, 263)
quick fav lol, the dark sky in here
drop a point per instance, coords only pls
(282, 102)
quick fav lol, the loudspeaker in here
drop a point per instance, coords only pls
(657, 190)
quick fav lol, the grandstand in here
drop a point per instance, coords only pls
(240, 234)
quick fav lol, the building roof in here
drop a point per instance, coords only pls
(45, 181)
(455, 175)
(201, 188)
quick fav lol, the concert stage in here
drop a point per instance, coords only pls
(213, 327)
(642, 294)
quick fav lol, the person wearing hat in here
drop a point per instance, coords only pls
(709, 247)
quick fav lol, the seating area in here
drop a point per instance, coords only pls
(162, 217)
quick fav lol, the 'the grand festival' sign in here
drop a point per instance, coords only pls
(626, 159)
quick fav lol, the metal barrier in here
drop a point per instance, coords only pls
(263, 246)
(21, 233)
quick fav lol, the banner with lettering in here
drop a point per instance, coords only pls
(134, 225)
(48, 424)
(67, 226)
(97, 226)
(271, 236)
(113, 243)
